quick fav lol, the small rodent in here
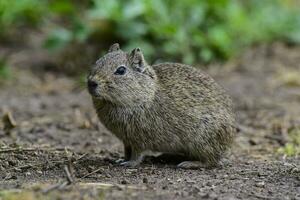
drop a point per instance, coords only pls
(165, 108)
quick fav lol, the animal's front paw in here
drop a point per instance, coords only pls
(131, 163)
(119, 161)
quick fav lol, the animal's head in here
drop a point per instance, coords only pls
(123, 79)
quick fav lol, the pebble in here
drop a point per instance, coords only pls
(260, 184)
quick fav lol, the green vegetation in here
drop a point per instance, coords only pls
(292, 148)
(15, 14)
(191, 31)
(5, 73)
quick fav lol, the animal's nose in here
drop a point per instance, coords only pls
(92, 85)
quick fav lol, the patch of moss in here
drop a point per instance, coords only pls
(289, 78)
(292, 148)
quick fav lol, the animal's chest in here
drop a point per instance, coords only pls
(143, 129)
(125, 123)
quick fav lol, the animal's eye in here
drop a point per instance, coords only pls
(120, 70)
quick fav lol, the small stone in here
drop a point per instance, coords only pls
(260, 184)
(131, 171)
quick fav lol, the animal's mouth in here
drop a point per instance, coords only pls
(95, 94)
(98, 97)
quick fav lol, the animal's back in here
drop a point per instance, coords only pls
(200, 106)
(189, 87)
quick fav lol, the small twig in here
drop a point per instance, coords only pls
(69, 177)
(51, 188)
(261, 196)
(93, 172)
(58, 186)
(78, 159)
(62, 185)
(35, 165)
(20, 149)
(45, 163)
(109, 185)
(8, 150)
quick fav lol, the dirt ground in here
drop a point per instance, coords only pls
(59, 150)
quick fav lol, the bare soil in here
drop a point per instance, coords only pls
(57, 128)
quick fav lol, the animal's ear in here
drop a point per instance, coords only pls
(114, 47)
(137, 60)
(139, 63)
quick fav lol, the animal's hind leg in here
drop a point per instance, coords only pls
(194, 165)
(198, 162)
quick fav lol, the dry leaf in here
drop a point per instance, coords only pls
(8, 122)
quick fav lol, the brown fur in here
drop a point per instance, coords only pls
(169, 107)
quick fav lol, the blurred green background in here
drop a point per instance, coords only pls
(190, 31)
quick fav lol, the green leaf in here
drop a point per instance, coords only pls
(58, 39)
(62, 7)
